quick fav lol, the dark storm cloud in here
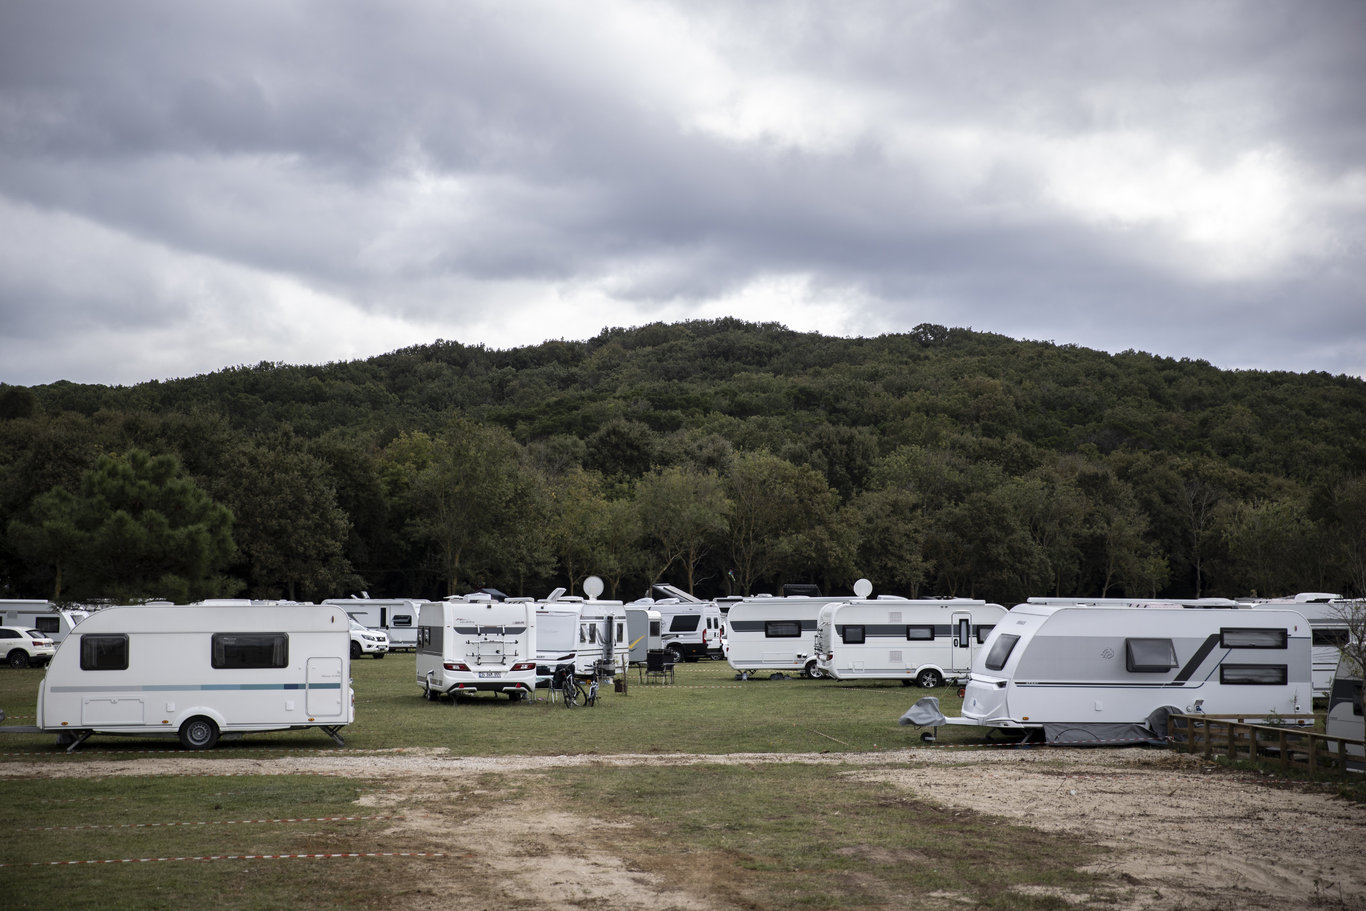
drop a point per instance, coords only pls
(1121, 175)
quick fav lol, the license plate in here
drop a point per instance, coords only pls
(494, 674)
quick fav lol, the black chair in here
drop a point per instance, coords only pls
(659, 666)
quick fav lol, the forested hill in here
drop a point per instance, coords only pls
(720, 455)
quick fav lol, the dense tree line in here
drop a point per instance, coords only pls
(723, 456)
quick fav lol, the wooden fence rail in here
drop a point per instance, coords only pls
(1297, 747)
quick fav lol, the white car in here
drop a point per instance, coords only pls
(25, 647)
(366, 641)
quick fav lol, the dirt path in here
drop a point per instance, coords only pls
(1184, 834)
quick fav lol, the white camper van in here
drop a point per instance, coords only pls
(476, 644)
(56, 623)
(923, 642)
(690, 627)
(200, 670)
(395, 617)
(1102, 674)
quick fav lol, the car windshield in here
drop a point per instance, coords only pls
(355, 625)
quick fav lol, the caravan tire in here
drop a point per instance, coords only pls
(199, 733)
(929, 679)
(812, 671)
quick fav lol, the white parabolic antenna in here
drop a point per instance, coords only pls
(592, 587)
(863, 588)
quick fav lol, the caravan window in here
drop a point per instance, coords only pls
(983, 632)
(853, 635)
(782, 629)
(403, 620)
(1149, 656)
(1253, 638)
(1253, 674)
(919, 632)
(1336, 636)
(1000, 652)
(250, 650)
(50, 625)
(104, 653)
(685, 623)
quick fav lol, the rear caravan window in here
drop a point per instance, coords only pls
(1253, 638)
(782, 629)
(104, 653)
(853, 635)
(983, 632)
(1000, 652)
(684, 623)
(919, 632)
(1335, 636)
(1253, 674)
(250, 650)
(1149, 656)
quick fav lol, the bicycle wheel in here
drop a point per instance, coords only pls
(592, 698)
(571, 692)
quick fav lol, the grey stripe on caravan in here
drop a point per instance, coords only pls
(195, 687)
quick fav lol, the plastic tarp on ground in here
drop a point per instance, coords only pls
(925, 713)
(1152, 731)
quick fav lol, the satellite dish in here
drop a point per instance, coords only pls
(863, 588)
(592, 587)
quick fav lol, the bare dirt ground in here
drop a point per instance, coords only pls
(1182, 833)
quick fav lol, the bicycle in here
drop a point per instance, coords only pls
(573, 690)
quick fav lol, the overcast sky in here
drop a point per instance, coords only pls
(191, 186)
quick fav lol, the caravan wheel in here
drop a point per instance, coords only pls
(812, 671)
(199, 733)
(929, 679)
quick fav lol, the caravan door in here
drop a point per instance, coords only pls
(960, 657)
(324, 696)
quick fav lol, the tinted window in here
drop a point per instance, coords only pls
(250, 650)
(1000, 652)
(104, 653)
(1253, 674)
(854, 635)
(1253, 638)
(782, 629)
(404, 620)
(47, 624)
(1336, 637)
(1149, 656)
(685, 623)
(983, 632)
(9, 634)
(920, 632)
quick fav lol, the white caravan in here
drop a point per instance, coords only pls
(777, 632)
(643, 632)
(581, 632)
(1345, 710)
(476, 644)
(56, 623)
(924, 642)
(1327, 616)
(1085, 674)
(200, 671)
(691, 627)
(395, 617)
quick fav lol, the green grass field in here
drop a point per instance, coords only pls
(769, 835)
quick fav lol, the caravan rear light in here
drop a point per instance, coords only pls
(452, 666)
(524, 666)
